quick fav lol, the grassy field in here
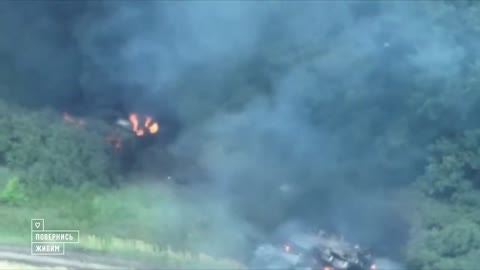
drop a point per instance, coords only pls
(142, 221)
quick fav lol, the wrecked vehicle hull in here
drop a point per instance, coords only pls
(312, 252)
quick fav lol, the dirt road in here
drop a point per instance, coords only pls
(13, 258)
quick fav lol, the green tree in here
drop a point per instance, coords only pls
(13, 192)
(45, 150)
(446, 229)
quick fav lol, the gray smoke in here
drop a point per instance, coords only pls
(265, 92)
(386, 264)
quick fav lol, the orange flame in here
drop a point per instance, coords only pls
(112, 139)
(115, 141)
(148, 125)
(76, 121)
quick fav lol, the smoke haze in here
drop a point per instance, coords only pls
(264, 93)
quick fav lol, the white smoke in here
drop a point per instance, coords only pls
(387, 264)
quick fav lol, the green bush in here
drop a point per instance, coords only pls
(458, 239)
(454, 167)
(446, 228)
(451, 247)
(13, 192)
(47, 151)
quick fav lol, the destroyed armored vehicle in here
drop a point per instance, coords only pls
(318, 251)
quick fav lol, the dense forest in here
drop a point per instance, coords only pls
(360, 117)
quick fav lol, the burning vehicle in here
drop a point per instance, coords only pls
(319, 251)
(134, 125)
(139, 141)
(138, 124)
(127, 116)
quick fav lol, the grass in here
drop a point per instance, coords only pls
(141, 221)
(166, 256)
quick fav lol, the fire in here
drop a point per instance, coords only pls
(140, 125)
(373, 267)
(287, 248)
(76, 121)
(140, 128)
(115, 141)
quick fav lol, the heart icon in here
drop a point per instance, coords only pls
(37, 225)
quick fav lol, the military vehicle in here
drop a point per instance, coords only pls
(318, 251)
